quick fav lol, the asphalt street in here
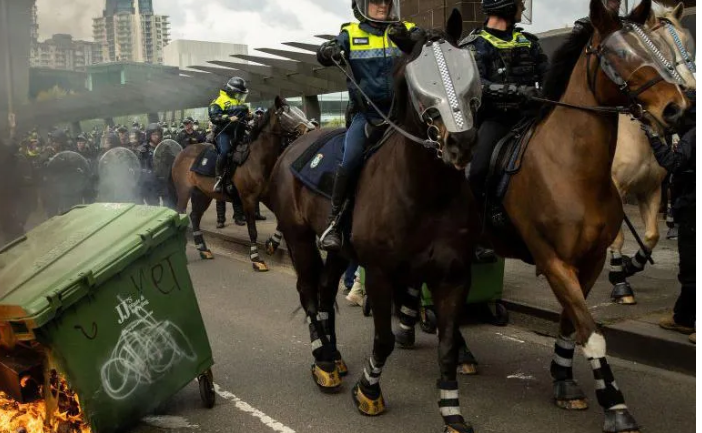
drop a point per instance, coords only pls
(262, 354)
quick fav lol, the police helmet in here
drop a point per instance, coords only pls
(236, 88)
(59, 136)
(153, 127)
(504, 8)
(360, 10)
(188, 120)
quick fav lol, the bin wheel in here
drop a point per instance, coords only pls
(207, 391)
(366, 306)
(501, 315)
(427, 320)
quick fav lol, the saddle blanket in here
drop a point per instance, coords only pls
(204, 164)
(317, 165)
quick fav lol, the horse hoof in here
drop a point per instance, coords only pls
(568, 395)
(220, 225)
(405, 338)
(341, 366)
(206, 255)
(625, 300)
(620, 421)
(259, 266)
(326, 376)
(368, 406)
(459, 428)
(468, 369)
(623, 294)
(271, 247)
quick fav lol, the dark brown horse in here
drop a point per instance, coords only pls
(410, 224)
(563, 204)
(269, 137)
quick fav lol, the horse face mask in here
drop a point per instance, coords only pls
(291, 118)
(443, 82)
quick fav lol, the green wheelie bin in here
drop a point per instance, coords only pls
(104, 291)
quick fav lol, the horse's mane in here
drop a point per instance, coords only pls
(258, 126)
(562, 64)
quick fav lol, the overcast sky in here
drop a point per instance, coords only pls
(257, 23)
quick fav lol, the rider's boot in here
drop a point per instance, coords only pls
(219, 171)
(331, 238)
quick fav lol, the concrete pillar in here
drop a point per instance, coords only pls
(311, 107)
(76, 129)
(152, 117)
(109, 121)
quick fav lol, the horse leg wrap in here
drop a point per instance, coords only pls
(409, 315)
(566, 391)
(317, 337)
(199, 241)
(253, 254)
(449, 405)
(616, 269)
(635, 264)
(370, 381)
(221, 211)
(617, 415)
(277, 237)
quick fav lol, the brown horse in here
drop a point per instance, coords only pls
(563, 204)
(410, 224)
(280, 125)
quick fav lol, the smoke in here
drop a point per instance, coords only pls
(74, 17)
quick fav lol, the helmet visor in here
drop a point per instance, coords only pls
(527, 11)
(380, 11)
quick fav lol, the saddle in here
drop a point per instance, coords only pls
(317, 165)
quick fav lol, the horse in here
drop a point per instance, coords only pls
(278, 127)
(564, 208)
(635, 170)
(403, 188)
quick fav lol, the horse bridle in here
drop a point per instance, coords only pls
(686, 57)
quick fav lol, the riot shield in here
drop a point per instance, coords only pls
(66, 179)
(164, 156)
(118, 170)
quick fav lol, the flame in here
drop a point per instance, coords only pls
(18, 417)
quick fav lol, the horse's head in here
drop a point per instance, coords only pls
(636, 67)
(441, 83)
(681, 42)
(284, 121)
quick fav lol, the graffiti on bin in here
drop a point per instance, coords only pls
(161, 275)
(146, 351)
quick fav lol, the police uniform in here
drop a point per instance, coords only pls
(185, 139)
(371, 55)
(227, 133)
(512, 65)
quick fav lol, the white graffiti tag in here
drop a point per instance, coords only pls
(146, 350)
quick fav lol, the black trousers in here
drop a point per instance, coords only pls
(685, 305)
(489, 133)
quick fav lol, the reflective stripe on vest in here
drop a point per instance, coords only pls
(518, 40)
(225, 102)
(364, 45)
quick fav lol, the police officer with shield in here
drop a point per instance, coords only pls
(366, 47)
(189, 135)
(229, 116)
(150, 191)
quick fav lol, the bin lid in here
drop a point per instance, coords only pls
(57, 263)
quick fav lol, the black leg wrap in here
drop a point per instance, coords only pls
(616, 266)
(221, 211)
(608, 394)
(619, 420)
(319, 340)
(199, 241)
(622, 289)
(634, 264)
(370, 380)
(409, 314)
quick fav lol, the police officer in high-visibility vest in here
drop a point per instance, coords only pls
(512, 67)
(366, 47)
(229, 115)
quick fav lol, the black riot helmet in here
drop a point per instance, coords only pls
(503, 8)
(153, 127)
(236, 88)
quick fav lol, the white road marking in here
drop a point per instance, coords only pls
(247, 408)
(168, 422)
(508, 337)
(521, 376)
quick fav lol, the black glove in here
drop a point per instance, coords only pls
(650, 132)
(331, 50)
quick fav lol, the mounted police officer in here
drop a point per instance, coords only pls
(366, 47)
(189, 135)
(512, 66)
(229, 116)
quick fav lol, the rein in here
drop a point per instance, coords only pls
(429, 143)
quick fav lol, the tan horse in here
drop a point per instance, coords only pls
(635, 170)
(280, 125)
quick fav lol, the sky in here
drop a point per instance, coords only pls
(258, 23)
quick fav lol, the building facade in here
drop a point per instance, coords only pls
(183, 53)
(62, 52)
(129, 31)
(434, 13)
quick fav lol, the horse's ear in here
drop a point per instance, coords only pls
(652, 20)
(454, 26)
(280, 102)
(603, 19)
(640, 13)
(677, 13)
